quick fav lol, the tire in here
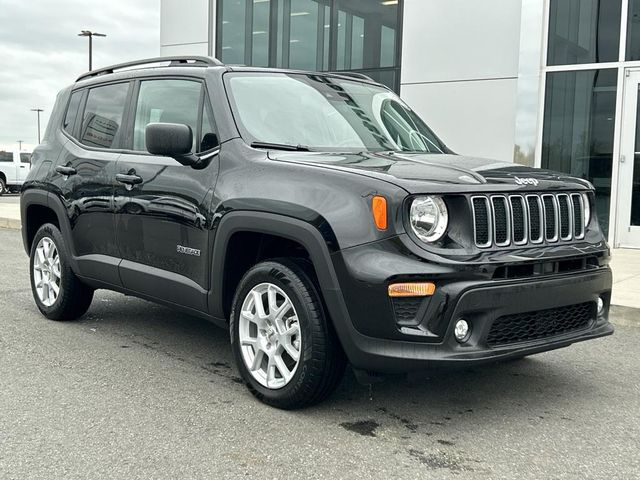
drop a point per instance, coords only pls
(73, 298)
(3, 187)
(321, 361)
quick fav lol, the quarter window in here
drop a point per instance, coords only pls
(102, 121)
(72, 113)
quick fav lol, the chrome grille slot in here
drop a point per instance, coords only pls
(501, 221)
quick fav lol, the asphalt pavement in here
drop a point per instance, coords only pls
(135, 390)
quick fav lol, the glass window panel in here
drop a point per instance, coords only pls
(357, 42)
(166, 101)
(584, 31)
(260, 33)
(387, 47)
(233, 28)
(303, 44)
(326, 37)
(103, 115)
(633, 32)
(6, 156)
(72, 112)
(578, 129)
(25, 158)
(342, 41)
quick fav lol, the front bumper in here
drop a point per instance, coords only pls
(375, 341)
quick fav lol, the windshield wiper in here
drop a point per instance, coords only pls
(281, 146)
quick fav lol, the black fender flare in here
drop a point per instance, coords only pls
(282, 226)
(34, 196)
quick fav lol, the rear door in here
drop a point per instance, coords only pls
(162, 207)
(84, 175)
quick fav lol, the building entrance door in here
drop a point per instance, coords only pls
(628, 192)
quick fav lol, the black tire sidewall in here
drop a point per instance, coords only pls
(284, 278)
(51, 231)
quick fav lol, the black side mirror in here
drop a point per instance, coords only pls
(173, 140)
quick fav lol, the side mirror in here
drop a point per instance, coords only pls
(173, 140)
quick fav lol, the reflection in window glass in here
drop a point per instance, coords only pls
(584, 31)
(103, 115)
(578, 130)
(325, 113)
(233, 31)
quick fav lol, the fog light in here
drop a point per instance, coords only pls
(461, 331)
(600, 306)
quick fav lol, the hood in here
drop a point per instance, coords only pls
(423, 173)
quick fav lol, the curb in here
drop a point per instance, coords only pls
(624, 316)
(11, 223)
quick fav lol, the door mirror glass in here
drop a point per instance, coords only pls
(173, 140)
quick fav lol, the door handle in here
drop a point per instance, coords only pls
(128, 179)
(66, 170)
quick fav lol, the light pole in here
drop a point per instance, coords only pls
(19, 145)
(90, 34)
(38, 110)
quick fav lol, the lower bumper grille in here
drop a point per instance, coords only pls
(522, 327)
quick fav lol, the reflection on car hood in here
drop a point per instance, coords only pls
(419, 172)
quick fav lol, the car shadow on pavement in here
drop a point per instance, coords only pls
(423, 403)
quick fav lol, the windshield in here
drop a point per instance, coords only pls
(325, 113)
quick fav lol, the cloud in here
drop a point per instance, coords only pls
(41, 53)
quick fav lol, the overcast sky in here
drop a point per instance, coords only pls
(40, 52)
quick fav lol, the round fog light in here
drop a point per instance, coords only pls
(600, 306)
(461, 331)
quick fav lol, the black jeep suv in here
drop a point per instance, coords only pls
(315, 215)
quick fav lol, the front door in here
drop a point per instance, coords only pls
(628, 197)
(162, 215)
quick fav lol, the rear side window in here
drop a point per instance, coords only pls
(70, 117)
(103, 114)
(6, 156)
(172, 101)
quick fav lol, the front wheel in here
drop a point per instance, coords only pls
(283, 344)
(3, 186)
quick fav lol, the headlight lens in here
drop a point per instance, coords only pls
(587, 209)
(429, 218)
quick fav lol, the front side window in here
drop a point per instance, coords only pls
(25, 158)
(167, 101)
(103, 114)
(326, 113)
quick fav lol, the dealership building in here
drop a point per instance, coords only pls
(548, 83)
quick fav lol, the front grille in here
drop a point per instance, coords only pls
(504, 220)
(522, 327)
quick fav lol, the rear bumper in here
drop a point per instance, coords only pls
(378, 343)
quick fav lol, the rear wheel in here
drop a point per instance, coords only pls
(3, 186)
(58, 293)
(284, 346)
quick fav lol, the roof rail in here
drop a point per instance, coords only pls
(359, 75)
(193, 61)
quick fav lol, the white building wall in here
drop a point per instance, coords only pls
(460, 71)
(184, 27)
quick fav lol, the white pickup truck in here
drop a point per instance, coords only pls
(14, 168)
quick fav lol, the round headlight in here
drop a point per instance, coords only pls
(429, 218)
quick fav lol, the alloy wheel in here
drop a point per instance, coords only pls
(270, 336)
(46, 271)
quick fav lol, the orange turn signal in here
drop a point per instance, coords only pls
(412, 289)
(379, 209)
